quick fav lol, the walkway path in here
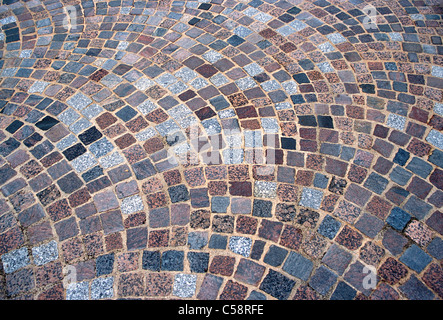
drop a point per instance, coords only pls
(218, 149)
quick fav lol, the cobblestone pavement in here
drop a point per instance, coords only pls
(264, 149)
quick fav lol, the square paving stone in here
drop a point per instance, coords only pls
(288, 143)
(235, 40)
(70, 183)
(417, 207)
(15, 260)
(197, 239)
(104, 264)
(240, 245)
(172, 260)
(223, 265)
(159, 218)
(73, 152)
(320, 181)
(131, 284)
(219, 204)
(343, 291)
(357, 275)
(112, 222)
(218, 241)
(20, 281)
(78, 291)
(414, 289)
(270, 229)
(277, 285)
(178, 193)
(101, 147)
(419, 167)
(90, 135)
(42, 149)
(219, 103)
(46, 123)
(337, 259)
(369, 225)
(132, 204)
(6, 173)
(105, 201)
(84, 162)
(136, 238)
(66, 228)
(198, 261)
(151, 260)
(180, 214)
(262, 208)
(311, 198)
(298, 266)
(285, 174)
(79, 101)
(436, 158)
(199, 197)
(401, 157)
(400, 175)
(102, 288)
(48, 195)
(435, 248)
(126, 114)
(45, 253)
(435, 138)
(93, 173)
(419, 187)
(66, 142)
(143, 169)
(376, 183)
(39, 182)
(249, 272)
(240, 205)
(184, 285)
(31, 215)
(329, 227)
(415, 258)
(323, 280)
(80, 125)
(275, 256)
(210, 287)
(394, 242)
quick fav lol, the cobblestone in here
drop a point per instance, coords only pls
(221, 150)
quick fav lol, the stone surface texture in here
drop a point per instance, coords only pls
(220, 149)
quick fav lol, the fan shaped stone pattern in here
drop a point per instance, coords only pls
(218, 149)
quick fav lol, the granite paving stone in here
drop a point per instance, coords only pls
(337, 259)
(434, 248)
(329, 227)
(298, 266)
(275, 256)
(415, 258)
(15, 260)
(78, 291)
(132, 204)
(104, 264)
(240, 245)
(45, 253)
(343, 291)
(217, 149)
(184, 285)
(311, 198)
(414, 289)
(102, 288)
(277, 285)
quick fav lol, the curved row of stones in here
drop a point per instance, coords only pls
(220, 150)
